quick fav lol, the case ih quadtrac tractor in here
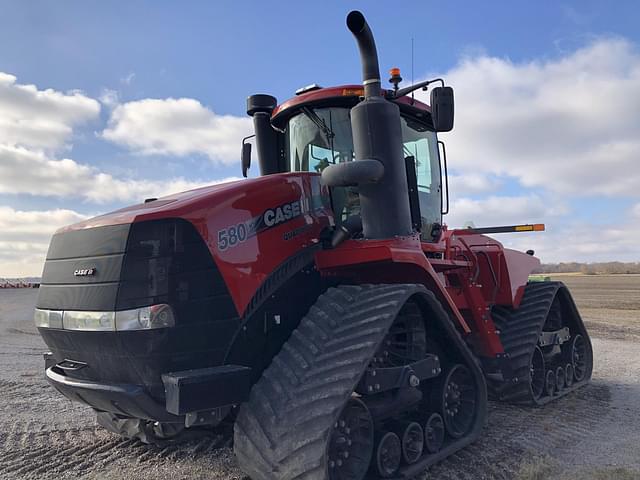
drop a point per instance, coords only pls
(323, 307)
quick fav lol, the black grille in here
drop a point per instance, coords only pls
(168, 262)
(160, 261)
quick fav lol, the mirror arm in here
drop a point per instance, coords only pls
(424, 85)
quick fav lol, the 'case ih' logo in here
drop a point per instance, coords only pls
(84, 272)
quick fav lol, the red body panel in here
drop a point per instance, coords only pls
(245, 265)
(468, 272)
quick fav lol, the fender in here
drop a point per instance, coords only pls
(397, 260)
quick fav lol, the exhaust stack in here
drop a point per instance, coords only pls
(357, 24)
(377, 140)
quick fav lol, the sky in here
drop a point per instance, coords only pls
(103, 104)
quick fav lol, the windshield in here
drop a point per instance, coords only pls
(318, 137)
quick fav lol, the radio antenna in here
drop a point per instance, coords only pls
(412, 96)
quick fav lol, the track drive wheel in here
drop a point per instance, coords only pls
(457, 400)
(351, 442)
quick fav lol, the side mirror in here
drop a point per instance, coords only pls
(246, 157)
(442, 109)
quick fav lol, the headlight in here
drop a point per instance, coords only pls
(94, 321)
(145, 318)
(48, 318)
(155, 316)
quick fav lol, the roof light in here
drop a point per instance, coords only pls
(353, 92)
(308, 88)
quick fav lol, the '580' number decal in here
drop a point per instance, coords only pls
(231, 236)
(235, 234)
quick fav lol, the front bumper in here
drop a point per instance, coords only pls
(122, 399)
(189, 392)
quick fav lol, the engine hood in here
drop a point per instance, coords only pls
(170, 205)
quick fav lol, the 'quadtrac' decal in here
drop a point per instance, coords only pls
(235, 234)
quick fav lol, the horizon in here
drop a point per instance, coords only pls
(103, 106)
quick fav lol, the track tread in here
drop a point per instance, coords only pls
(285, 440)
(519, 331)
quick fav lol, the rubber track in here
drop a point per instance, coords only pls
(281, 432)
(519, 331)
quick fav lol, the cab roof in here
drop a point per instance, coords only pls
(341, 96)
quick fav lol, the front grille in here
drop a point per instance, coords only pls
(145, 263)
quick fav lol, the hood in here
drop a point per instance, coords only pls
(169, 205)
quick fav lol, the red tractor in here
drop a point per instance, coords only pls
(323, 307)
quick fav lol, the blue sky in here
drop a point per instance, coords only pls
(109, 71)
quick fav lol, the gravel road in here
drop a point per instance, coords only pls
(591, 434)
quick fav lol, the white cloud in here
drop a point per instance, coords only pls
(126, 80)
(470, 183)
(503, 210)
(580, 242)
(568, 124)
(28, 172)
(41, 119)
(109, 98)
(25, 238)
(178, 127)
(563, 241)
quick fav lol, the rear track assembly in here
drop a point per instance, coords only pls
(543, 336)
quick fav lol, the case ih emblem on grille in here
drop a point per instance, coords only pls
(84, 272)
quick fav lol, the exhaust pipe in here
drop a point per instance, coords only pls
(379, 168)
(357, 24)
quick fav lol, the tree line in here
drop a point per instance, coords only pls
(590, 268)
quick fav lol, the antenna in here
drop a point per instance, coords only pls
(412, 96)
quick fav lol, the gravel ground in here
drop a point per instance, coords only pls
(591, 434)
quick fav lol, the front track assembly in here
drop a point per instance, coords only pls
(362, 390)
(547, 344)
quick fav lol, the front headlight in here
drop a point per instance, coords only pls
(145, 318)
(48, 318)
(155, 316)
(94, 321)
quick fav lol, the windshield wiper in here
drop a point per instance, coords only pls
(319, 122)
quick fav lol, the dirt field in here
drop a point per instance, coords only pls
(591, 434)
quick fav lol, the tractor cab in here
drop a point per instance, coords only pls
(313, 131)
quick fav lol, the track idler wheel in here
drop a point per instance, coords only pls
(434, 433)
(578, 357)
(351, 442)
(550, 383)
(560, 378)
(388, 454)
(412, 440)
(537, 372)
(457, 402)
(568, 374)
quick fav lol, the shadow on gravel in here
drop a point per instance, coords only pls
(516, 434)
